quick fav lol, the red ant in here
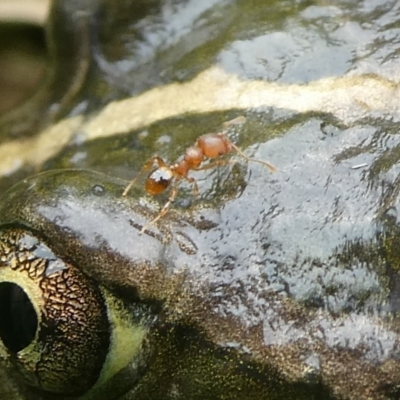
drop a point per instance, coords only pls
(210, 145)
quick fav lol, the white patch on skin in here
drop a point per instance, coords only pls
(349, 98)
(15, 165)
(36, 150)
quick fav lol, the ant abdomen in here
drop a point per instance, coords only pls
(214, 145)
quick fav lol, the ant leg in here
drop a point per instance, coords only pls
(147, 166)
(204, 167)
(214, 164)
(193, 181)
(238, 121)
(165, 209)
(240, 152)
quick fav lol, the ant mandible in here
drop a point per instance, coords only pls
(210, 145)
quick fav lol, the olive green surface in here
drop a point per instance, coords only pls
(266, 285)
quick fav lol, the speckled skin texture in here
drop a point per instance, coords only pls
(279, 285)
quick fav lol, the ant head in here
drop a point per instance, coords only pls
(159, 180)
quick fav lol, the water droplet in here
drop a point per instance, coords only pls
(98, 190)
(55, 266)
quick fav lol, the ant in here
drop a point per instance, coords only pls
(210, 145)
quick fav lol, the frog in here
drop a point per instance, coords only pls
(263, 286)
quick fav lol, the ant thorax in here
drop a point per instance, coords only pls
(194, 156)
(159, 180)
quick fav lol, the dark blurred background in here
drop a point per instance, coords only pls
(22, 50)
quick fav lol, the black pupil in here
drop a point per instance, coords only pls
(18, 319)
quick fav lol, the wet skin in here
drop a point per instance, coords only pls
(82, 217)
(282, 286)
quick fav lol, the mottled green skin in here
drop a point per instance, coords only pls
(184, 362)
(280, 286)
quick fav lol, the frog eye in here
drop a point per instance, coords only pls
(62, 332)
